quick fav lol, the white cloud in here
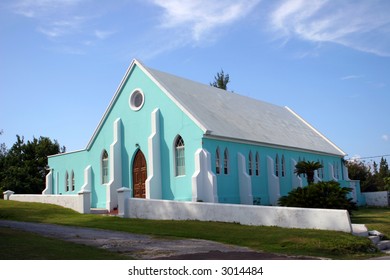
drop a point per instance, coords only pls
(102, 34)
(39, 8)
(351, 77)
(201, 17)
(54, 18)
(385, 137)
(361, 25)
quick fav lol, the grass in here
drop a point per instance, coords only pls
(374, 218)
(20, 245)
(318, 243)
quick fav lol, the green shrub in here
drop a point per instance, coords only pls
(320, 195)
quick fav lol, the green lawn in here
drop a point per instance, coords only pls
(20, 245)
(319, 243)
(373, 218)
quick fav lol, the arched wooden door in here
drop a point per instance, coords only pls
(139, 175)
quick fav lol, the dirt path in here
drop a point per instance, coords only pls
(145, 246)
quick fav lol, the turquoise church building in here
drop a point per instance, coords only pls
(166, 137)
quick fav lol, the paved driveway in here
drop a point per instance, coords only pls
(145, 246)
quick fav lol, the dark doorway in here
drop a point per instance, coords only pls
(139, 175)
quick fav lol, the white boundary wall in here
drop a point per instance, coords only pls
(377, 198)
(288, 217)
(80, 202)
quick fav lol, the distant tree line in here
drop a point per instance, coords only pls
(23, 167)
(372, 177)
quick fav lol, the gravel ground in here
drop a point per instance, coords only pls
(146, 247)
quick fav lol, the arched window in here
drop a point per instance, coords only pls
(66, 181)
(336, 170)
(226, 161)
(283, 166)
(250, 171)
(180, 166)
(277, 165)
(105, 167)
(217, 162)
(257, 167)
(72, 179)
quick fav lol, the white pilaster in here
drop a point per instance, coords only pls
(244, 181)
(153, 189)
(49, 183)
(204, 181)
(273, 182)
(331, 172)
(87, 186)
(296, 181)
(115, 162)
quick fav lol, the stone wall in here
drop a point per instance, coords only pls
(377, 198)
(80, 202)
(288, 217)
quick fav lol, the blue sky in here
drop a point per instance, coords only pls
(61, 61)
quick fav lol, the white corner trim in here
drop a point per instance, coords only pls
(49, 183)
(316, 131)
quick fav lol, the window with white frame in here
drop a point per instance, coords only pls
(66, 181)
(180, 166)
(217, 162)
(277, 165)
(226, 161)
(283, 166)
(72, 179)
(105, 167)
(250, 163)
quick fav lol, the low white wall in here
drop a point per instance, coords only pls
(79, 203)
(377, 198)
(288, 217)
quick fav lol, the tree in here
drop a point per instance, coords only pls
(371, 178)
(221, 80)
(24, 165)
(307, 168)
(327, 195)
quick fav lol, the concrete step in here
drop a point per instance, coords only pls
(359, 230)
(375, 239)
(383, 245)
(386, 251)
(99, 211)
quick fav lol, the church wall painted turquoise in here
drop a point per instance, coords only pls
(162, 137)
(136, 128)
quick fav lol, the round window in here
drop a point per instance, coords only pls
(136, 100)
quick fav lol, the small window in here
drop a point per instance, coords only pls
(226, 161)
(180, 157)
(336, 170)
(277, 165)
(283, 166)
(66, 181)
(137, 100)
(250, 171)
(73, 184)
(257, 167)
(105, 167)
(217, 162)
